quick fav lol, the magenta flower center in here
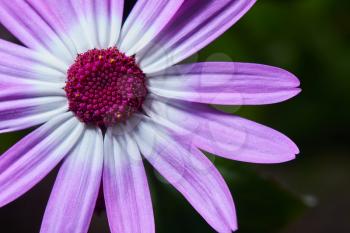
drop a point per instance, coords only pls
(105, 87)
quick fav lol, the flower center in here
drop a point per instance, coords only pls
(105, 87)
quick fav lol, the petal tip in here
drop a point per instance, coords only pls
(293, 148)
(294, 80)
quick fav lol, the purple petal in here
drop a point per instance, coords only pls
(74, 195)
(225, 83)
(23, 64)
(101, 19)
(33, 25)
(127, 196)
(12, 91)
(66, 19)
(16, 114)
(195, 25)
(191, 173)
(145, 21)
(32, 158)
(222, 134)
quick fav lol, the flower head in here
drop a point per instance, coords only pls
(106, 93)
(105, 87)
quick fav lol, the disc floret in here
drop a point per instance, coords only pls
(105, 87)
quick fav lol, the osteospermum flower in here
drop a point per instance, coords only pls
(107, 93)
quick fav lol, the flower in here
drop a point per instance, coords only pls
(105, 94)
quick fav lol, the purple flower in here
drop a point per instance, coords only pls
(106, 93)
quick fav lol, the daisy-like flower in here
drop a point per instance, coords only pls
(105, 94)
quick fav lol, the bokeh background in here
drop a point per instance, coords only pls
(310, 194)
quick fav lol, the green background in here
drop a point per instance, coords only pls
(310, 194)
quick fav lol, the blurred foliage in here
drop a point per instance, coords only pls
(262, 204)
(310, 38)
(9, 139)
